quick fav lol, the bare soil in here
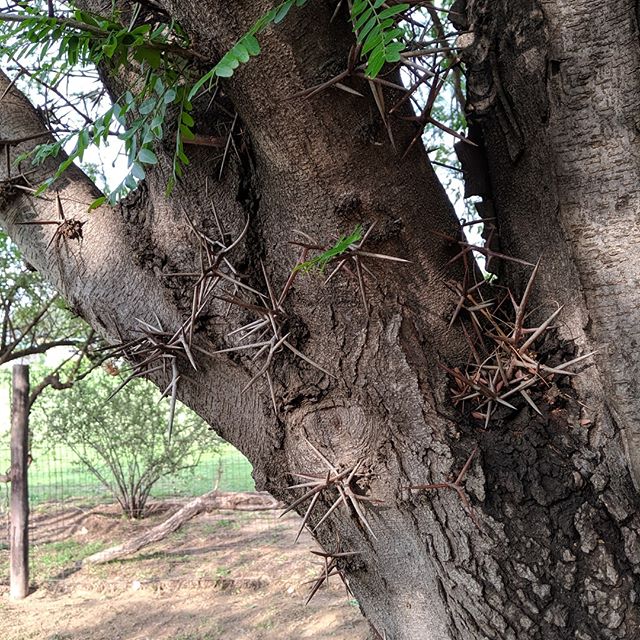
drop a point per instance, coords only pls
(229, 575)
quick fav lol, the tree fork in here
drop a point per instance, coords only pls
(429, 572)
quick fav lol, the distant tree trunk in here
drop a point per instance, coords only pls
(553, 99)
(19, 505)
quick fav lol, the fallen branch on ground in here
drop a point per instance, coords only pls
(208, 501)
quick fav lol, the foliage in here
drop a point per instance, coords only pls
(123, 441)
(321, 261)
(378, 33)
(33, 319)
(168, 82)
(79, 38)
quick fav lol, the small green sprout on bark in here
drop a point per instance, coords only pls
(320, 262)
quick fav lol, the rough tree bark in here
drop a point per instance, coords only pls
(553, 95)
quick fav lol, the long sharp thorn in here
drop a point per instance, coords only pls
(358, 510)
(306, 359)
(174, 397)
(564, 365)
(242, 347)
(521, 308)
(333, 273)
(273, 395)
(308, 494)
(527, 397)
(188, 352)
(466, 466)
(306, 516)
(325, 460)
(380, 256)
(331, 509)
(363, 291)
(540, 330)
(272, 296)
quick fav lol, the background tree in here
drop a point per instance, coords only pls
(122, 441)
(34, 318)
(356, 392)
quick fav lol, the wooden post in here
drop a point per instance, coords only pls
(19, 535)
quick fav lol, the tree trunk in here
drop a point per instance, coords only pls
(19, 508)
(551, 548)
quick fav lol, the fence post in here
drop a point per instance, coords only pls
(19, 536)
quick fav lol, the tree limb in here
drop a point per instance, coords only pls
(213, 500)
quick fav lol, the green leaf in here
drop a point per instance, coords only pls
(373, 26)
(187, 119)
(358, 7)
(186, 133)
(170, 96)
(282, 11)
(138, 170)
(147, 106)
(321, 261)
(130, 182)
(240, 52)
(371, 43)
(223, 71)
(98, 202)
(207, 77)
(150, 55)
(147, 156)
(375, 64)
(252, 45)
(392, 11)
(362, 18)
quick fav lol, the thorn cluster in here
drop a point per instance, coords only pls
(66, 228)
(342, 481)
(505, 363)
(428, 65)
(331, 567)
(457, 486)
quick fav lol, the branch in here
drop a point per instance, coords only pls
(69, 23)
(41, 348)
(7, 354)
(208, 501)
(52, 380)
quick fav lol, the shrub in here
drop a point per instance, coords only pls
(124, 441)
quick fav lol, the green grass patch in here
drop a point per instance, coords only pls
(53, 559)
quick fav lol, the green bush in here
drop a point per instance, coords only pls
(124, 441)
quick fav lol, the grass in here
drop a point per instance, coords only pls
(50, 560)
(56, 474)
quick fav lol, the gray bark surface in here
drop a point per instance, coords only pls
(557, 553)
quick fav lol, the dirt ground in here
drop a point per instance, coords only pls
(230, 575)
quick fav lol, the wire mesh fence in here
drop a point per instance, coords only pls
(62, 489)
(56, 475)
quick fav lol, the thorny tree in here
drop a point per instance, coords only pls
(477, 491)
